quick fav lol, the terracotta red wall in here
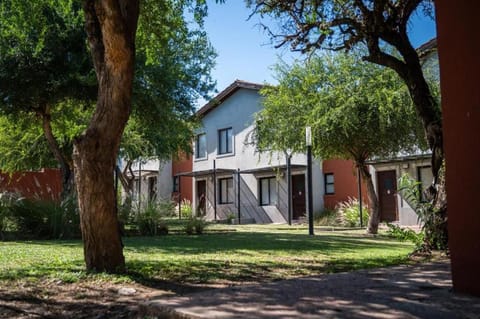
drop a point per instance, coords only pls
(45, 184)
(458, 37)
(346, 183)
(181, 165)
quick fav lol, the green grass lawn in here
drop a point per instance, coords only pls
(226, 254)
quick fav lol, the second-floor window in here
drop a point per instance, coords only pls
(201, 146)
(225, 141)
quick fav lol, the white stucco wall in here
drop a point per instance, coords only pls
(162, 170)
(165, 180)
(238, 112)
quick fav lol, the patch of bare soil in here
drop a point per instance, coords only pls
(79, 300)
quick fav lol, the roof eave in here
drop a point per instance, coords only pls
(222, 96)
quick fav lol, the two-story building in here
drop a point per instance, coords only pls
(231, 178)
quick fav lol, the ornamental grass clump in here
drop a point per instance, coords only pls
(348, 213)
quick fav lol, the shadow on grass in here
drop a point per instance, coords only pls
(258, 242)
(200, 273)
(181, 263)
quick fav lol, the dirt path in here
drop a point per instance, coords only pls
(86, 300)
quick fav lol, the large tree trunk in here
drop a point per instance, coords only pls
(374, 212)
(111, 27)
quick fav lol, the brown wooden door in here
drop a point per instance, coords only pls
(298, 196)
(201, 198)
(387, 190)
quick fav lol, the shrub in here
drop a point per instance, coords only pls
(405, 234)
(195, 225)
(45, 219)
(433, 223)
(326, 217)
(189, 227)
(148, 219)
(348, 213)
(230, 217)
(6, 222)
(186, 208)
(166, 207)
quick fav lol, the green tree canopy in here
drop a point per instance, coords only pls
(24, 146)
(43, 55)
(356, 110)
(380, 27)
(166, 83)
(46, 56)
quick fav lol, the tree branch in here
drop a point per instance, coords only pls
(94, 36)
(376, 55)
(51, 140)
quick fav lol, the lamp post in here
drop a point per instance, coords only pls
(288, 154)
(308, 142)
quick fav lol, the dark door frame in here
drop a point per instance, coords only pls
(299, 206)
(201, 201)
(384, 191)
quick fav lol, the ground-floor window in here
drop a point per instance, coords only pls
(225, 186)
(329, 184)
(268, 191)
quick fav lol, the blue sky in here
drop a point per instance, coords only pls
(244, 50)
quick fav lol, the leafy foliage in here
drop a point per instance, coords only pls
(44, 219)
(186, 208)
(352, 106)
(42, 52)
(149, 218)
(44, 66)
(173, 64)
(326, 217)
(348, 213)
(6, 221)
(195, 225)
(405, 234)
(345, 214)
(432, 221)
(378, 29)
(24, 146)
